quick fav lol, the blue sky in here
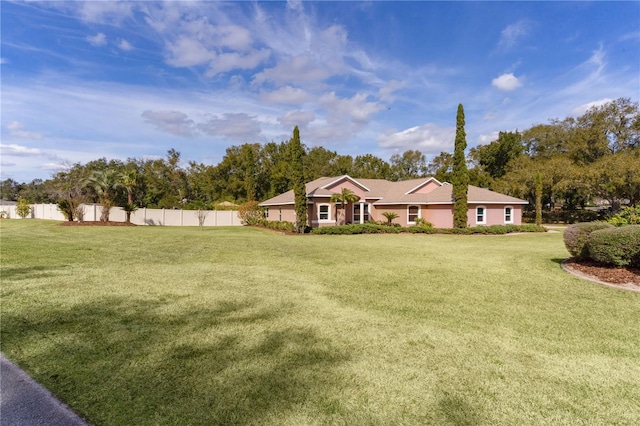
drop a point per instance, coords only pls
(85, 80)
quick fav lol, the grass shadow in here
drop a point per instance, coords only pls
(458, 411)
(120, 361)
(32, 272)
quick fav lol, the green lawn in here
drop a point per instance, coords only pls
(158, 325)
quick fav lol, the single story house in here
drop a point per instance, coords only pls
(425, 198)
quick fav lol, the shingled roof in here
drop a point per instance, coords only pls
(381, 192)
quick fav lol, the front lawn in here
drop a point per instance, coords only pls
(158, 325)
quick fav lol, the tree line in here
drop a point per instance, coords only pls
(578, 160)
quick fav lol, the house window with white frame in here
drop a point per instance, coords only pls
(413, 213)
(266, 212)
(481, 215)
(280, 214)
(508, 214)
(356, 213)
(324, 212)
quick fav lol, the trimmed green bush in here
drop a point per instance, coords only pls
(576, 237)
(272, 224)
(372, 228)
(364, 228)
(616, 246)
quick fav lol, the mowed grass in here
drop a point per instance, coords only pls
(158, 325)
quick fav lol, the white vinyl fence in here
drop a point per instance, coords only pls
(157, 217)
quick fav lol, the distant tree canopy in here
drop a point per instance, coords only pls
(580, 159)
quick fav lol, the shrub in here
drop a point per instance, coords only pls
(626, 216)
(565, 216)
(416, 229)
(273, 224)
(390, 216)
(423, 223)
(576, 237)
(250, 212)
(23, 209)
(364, 228)
(373, 228)
(616, 246)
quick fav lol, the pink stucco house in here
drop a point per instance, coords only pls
(425, 198)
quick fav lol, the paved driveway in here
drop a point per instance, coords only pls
(23, 402)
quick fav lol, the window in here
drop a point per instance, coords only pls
(266, 212)
(280, 214)
(508, 214)
(481, 215)
(413, 213)
(356, 213)
(324, 212)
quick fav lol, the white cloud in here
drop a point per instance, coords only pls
(232, 37)
(301, 68)
(428, 138)
(104, 11)
(124, 45)
(286, 95)
(513, 33)
(236, 126)
(187, 52)
(506, 82)
(19, 150)
(386, 93)
(54, 166)
(579, 110)
(488, 138)
(4, 61)
(297, 118)
(174, 122)
(18, 130)
(357, 109)
(97, 40)
(225, 62)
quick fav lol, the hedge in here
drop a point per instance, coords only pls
(616, 246)
(576, 237)
(272, 224)
(368, 228)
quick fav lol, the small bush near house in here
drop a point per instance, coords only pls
(423, 223)
(576, 237)
(616, 246)
(626, 216)
(273, 224)
(250, 212)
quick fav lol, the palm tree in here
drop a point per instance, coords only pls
(104, 183)
(129, 180)
(344, 197)
(390, 216)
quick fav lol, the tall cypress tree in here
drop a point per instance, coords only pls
(538, 198)
(460, 175)
(297, 178)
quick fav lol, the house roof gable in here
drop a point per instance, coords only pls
(343, 178)
(426, 182)
(393, 193)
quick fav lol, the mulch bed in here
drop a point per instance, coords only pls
(96, 223)
(609, 274)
